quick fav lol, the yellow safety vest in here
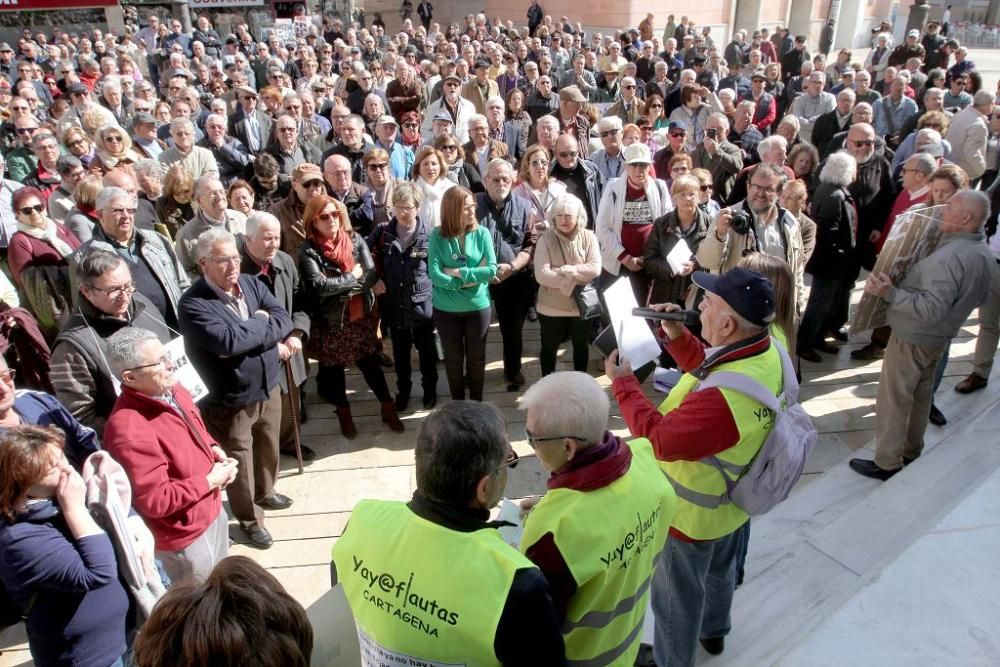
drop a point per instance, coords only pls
(421, 591)
(610, 539)
(704, 512)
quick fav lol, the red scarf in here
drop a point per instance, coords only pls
(88, 211)
(340, 251)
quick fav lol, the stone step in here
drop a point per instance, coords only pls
(815, 552)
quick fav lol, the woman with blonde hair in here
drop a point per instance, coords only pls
(83, 216)
(174, 207)
(77, 143)
(114, 148)
(430, 175)
(567, 256)
(339, 285)
(535, 184)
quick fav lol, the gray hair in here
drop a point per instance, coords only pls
(407, 193)
(67, 163)
(210, 238)
(124, 348)
(181, 124)
(727, 94)
(259, 218)
(722, 118)
(568, 203)
(457, 445)
(41, 136)
(974, 202)
(108, 195)
(770, 143)
(568, 403)
(477, 118)
(496, 101)
(499, 163)
(840, 169)
(150, 168)
(982, 98)
(214, 117)
(95, 263)
(547, 120)
(923, 163)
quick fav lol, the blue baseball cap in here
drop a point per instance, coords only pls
(747, 292)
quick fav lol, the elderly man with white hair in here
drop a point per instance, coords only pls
(968, 134)
(233, 331)
(596, 474)
(926, 310)
(608, 159)
(812, 104)
(213, 212)
(231, 156)
(264, 260)
(197, 160)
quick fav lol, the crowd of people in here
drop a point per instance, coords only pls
(255, 208)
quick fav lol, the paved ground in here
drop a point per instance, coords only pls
(838, 393)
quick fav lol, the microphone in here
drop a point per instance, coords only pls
(686, 317)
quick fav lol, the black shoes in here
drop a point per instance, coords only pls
(430, 401)
(828, 348)
(714, 645)
(871, 469)
(809, 354)
(259, 537)
(869, 352)
(839, 335)
(937, 417)
(277, 501)
(515, 382)
(308, 453)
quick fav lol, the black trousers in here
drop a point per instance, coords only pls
(420, 336)
(463, 337)
(555, 330)
(331, 382)
(512, 299)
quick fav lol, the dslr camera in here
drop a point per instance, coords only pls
(740, 222)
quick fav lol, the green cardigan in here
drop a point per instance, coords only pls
(477, 262)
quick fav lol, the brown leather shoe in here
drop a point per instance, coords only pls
(391, 417)
(346, 422)
(974, 382)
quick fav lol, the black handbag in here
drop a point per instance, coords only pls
(587, 298)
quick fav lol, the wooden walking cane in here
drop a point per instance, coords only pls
(293, 405)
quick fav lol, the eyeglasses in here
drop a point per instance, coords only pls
(655, 106)
(378, 166)
(609, 133)
(115, 292)
(511, 460)
(678, 134)
(327, 216)
(539, 163)
(121, 210)
(863, 142)
(113, 138)
(534, 440)
(26, 130)
(227, 259)
(568, 154)
(629, 87)
(705, 188)
(8, 375)
(765, 189)
(28, 210)
(162, 361)
(313, 183)
(286, 129)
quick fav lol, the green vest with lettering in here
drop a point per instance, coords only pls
(703, 510)
(610, 538)
(420, 590)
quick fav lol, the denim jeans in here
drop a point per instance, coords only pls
(692, 595)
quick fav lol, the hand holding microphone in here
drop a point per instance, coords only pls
(672, 318)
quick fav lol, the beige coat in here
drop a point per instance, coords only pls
(562, 263)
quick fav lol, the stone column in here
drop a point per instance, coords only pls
(180, 10)
(918, 15)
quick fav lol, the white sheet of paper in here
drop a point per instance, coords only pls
(636, 343)
(511, 511)
(678, 256)
(185, 373)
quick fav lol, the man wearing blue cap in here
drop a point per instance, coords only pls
(694, 582)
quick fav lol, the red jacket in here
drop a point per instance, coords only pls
(167, 461)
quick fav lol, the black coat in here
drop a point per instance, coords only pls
(823, 130)
(407, 299)
(665, 286)
(326, 288)
(836, 252)
(239, 128)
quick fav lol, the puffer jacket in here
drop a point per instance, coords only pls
(326, 288)
(407, 299)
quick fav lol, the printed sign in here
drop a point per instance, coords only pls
(376, 655)
(185, 372)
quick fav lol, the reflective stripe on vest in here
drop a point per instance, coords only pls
(612, 567)
(421, 591)
(703, 510)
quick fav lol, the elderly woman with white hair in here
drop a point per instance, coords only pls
(567, 258)
(836, 261)
(199, 161)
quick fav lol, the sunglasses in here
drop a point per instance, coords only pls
(26, 130)
(865, 142)
(28, 210)
(378, 166)
(705, 188)
(328, 216)
(313, 183)
(568, 154)
(678, 134)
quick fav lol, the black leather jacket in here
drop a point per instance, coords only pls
(326, 288)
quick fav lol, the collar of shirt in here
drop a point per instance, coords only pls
(227, 298)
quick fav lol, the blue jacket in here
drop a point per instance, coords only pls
(400, 159)
(79, 616)
(237, 360)
(41, 409)
(407, 299)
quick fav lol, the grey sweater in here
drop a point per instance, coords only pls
(936, 297)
